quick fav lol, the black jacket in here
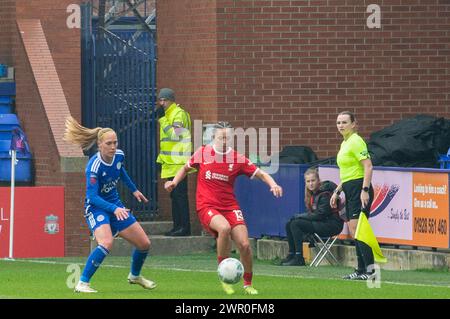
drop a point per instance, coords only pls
(321, 209)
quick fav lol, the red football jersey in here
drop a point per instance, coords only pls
(216, 175)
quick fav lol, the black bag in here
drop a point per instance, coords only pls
(293, 154)
(413, 142)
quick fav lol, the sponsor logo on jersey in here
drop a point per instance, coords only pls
(109, 186)
(220, 177)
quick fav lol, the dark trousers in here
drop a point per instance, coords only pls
(180, 206)
(299, 229)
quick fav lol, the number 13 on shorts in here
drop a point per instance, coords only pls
(238, 213)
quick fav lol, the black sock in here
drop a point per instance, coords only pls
(367, 255)
(361, 264)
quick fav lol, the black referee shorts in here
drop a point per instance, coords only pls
(353, 206)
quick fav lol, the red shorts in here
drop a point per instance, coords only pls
(234, 218)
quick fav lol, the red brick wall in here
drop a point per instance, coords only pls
(294, 64)
(187, 59)
(7, 23)
(64, 43)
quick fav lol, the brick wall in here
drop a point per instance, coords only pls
(64, 43)
(7, 23)
(294, 64)
(187, 60)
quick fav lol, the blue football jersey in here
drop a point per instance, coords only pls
(102, 179)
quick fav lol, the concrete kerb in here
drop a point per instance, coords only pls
(398, 259)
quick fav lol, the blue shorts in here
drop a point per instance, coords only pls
(96, 217)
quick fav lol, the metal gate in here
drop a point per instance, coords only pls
(118, 91)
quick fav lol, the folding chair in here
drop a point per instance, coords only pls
(324, 245)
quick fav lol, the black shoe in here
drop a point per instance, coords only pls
(181, 232)
(296, 261)
(288, 258)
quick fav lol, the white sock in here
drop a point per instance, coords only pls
(133, 277)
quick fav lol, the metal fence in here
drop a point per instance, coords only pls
(118, 91)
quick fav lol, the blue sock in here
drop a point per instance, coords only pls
(95, 259)
(137, 261)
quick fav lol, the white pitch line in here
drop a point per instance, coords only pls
(212, 271)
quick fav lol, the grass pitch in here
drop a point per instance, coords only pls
(194, 277)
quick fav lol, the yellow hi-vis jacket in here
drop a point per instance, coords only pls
(175, 140)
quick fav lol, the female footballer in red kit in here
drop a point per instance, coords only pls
(217, 208)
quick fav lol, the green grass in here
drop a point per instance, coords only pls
(194, 276)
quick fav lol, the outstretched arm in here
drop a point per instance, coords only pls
(276, 190)
(170, 185)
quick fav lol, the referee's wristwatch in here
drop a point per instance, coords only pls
(366, 189)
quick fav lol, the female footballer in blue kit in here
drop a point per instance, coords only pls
(105, 214)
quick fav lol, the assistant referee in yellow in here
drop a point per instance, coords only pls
(355, 170)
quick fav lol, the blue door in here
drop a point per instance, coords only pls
(118, 91)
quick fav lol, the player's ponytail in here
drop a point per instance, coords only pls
(83, 136)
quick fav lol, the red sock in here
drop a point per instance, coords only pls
(220, 258)
(248, 278)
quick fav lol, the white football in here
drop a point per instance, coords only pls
(230, 271)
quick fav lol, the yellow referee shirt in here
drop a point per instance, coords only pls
(352, 151)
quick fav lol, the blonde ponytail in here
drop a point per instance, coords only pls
(83, 136)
